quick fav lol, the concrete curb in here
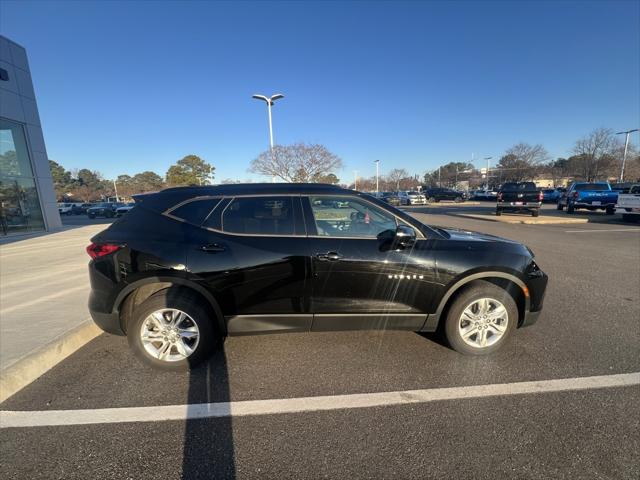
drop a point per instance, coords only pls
(525, 220)
(36, 363)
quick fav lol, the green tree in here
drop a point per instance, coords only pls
(147, 182)
(328, 178)
(62, 181)
(191, 170)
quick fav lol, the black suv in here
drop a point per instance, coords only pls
(187, 266)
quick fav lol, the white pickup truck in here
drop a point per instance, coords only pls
(629, 204)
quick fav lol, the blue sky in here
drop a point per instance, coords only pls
(125, 87)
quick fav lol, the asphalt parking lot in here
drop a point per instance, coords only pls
(589, 327)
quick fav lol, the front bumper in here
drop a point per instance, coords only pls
(530, 318)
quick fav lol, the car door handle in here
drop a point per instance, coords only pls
(212, 248)
(328, 257)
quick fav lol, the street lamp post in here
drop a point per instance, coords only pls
(377, 162)
(487, 159)
(624, 155)
(270, 101)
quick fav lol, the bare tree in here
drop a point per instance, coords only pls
(521, 162)
(395, 176)
(594, 152)
(297, 163)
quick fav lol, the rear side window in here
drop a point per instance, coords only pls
(196, 211)
(259, 216)
(635, 189)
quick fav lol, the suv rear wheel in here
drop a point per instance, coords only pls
(481, 319)
(171, 331)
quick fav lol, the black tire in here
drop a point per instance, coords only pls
(570, 208)
(91, 216)
(535, 213)
(432, 200)
(457, 199)
(610, 211)
(477, 290)
(183, 300)
(498, 212)
(559, 206)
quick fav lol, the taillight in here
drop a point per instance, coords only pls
(96, 250)
(540, 196)
(575, 195)
(500, 196)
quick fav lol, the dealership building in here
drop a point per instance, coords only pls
(27, 199)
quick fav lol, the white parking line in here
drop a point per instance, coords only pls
(35, 301)
(633, 230)
(20, 419)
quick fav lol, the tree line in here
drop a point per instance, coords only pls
(596, 156)
(90, 185)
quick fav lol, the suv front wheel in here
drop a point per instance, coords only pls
(171, 331)
(481, 319)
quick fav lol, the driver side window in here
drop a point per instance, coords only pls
(349, 217)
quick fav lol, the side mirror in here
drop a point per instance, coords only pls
(405, 236)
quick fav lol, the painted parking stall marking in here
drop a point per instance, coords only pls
(22, 419)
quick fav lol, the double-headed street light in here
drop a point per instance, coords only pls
(626, 146)
(270, 101)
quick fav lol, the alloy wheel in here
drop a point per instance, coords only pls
(169, 335)
(483, 322)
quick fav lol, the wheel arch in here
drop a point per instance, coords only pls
(510, 282)
(137, 292)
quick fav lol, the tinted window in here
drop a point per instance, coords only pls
(349, 217)
(592, 186)
(259, 215)
(196, 211)
(635, 189)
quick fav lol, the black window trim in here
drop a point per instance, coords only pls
(307, 222)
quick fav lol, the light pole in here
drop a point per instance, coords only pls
(626, 146)
(355, 182)
(487, 159)
(270, 101)
(377, 162)
(116, 190)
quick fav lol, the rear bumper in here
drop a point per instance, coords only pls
(109, 322)
(591, 205)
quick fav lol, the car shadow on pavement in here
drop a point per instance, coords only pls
(208, 442)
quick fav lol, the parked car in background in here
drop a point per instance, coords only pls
(629, 204)
(124, 209)
(435, 195)
(486, 195)
(590, 196)
(391, 198)
(404, 198)
(552, 195)
(103, 209)
(416, 198)
(67, 208)
(519, 197)
(195, 264)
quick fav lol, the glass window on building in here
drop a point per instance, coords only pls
(19, 204)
